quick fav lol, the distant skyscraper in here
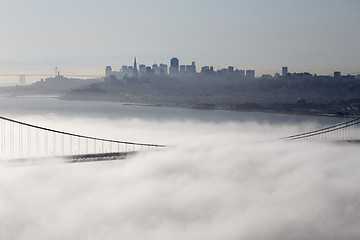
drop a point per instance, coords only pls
(182, 68)
(205, 69)
(142, 69)
(242, 73)
(174, 66)
(149, 71)
(163, 69)
(156, 69)
(284, 71)
(337, 74)
(191, 68)
(135, 65)
(108, 71)
(250, 74)
(223, 70)
(135, 70)
(231, 69)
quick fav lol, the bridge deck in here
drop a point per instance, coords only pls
(73, 158)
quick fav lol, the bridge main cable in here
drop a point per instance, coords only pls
(81, 136)
(324, 130)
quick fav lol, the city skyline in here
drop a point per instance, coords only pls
(176, 66)
(315, 36)
(180, 68)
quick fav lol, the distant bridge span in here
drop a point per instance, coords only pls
(50, 74)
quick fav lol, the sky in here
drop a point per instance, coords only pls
(318, 36)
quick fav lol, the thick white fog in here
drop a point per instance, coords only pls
(226, 180)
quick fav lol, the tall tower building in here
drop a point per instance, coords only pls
(242, 73)
(174, 66)
(156, 69)
(135, 64)
(191, 68)
(108, 71)
(135, 69)
(250, 74)
(182, 68)
(163, 69)
(284, 71)
(142, 70)
(337, 74)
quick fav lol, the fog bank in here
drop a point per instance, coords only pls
(221, 181)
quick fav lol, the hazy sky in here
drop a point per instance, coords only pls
(319, 36)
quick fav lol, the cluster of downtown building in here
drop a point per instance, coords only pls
(175, 70)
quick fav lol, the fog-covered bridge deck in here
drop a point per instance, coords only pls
(98, 157)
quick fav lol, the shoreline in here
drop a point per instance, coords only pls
(305, 112)
(308, 112)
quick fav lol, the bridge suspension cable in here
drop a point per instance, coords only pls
(23, 140)
(80, 136)
(346, 131)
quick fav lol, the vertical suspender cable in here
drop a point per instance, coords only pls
(46, 142)
(62, 144)
(10, 138)
(71, 145)
(94, 146)
(20, 140)
(29, 142)
(37, 142)
(54, 144)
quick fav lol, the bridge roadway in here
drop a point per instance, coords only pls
(98, 157)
